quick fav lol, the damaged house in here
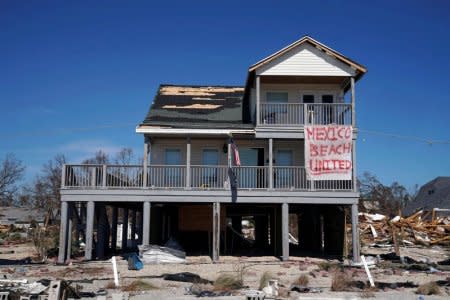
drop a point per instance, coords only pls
(233, 170)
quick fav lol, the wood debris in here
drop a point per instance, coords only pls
(194, 106)
(197, 91)
(417, 229)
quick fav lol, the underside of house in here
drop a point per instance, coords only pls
(224, 169)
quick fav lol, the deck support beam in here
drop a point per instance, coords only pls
(285, 231)
(216, 232)
(146, 223)
(133, 226)
(114, 229)
(90, 210)
(125, 229)
(355, 233)
(63, 232)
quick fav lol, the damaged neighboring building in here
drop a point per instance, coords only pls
(21, 217)
(224, 168)
(433, 194)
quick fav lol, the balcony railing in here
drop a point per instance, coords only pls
(300, 114)
(195, 178)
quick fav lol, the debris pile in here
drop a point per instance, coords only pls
(418, 229)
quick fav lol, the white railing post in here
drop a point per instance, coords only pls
(104, 176)
(93, 176)
(305, 114)
(63, 176)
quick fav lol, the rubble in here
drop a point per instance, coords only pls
(418, 229)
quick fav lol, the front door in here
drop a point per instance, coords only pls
(172, 172)
(327, 100)
(251, 173)
(210, 161)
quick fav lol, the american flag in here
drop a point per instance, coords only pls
(237, 160)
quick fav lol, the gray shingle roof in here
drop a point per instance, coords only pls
(434, 194)
(182, 106)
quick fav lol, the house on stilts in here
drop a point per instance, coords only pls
(267, 168)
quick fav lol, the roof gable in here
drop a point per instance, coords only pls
(306, 60)
(303, 52)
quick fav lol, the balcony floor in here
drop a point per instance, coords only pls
(209, 196)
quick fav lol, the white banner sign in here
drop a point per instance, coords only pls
(328, 152)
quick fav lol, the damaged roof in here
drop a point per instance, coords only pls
(434, 194)
(182, 106)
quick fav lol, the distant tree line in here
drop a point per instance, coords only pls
(385, 199)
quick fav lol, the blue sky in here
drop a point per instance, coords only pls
(81, 64)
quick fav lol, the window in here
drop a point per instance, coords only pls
(277, 97)
(327, 98)
(308, 98)
(210, 157)
(276, 108)
(173, 157)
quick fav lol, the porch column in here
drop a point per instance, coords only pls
(89, 230)
(352, 88)
(258, 100)
(188, 163)
(69, 230)
(114, 229)
(355, 233)
(271, 163)
(63, 232)
(285, 231)
(145, 161)
(124, 229)
(355, 180)
(146, 223)
(216, 232)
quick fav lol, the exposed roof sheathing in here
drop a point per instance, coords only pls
(182, 106)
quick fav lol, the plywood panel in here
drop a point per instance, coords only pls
(198, 217)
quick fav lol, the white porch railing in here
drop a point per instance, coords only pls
(295, 114)
(200, 178)
(209, 177)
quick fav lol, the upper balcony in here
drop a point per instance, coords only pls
(300, 114)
